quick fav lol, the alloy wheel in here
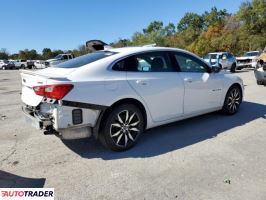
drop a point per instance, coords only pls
(125, 128)
(234, 99)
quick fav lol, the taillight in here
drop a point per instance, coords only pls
(53, 91)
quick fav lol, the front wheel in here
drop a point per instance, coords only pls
(233, 68)
(232, 101)
(122, 127)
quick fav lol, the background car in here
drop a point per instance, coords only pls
(116, 94)
(10, 65)
(260, 70)
(3, 64)
(39, 64)
(22, 64)
(260, 73)
(249, 59)
(30, 64)
(225, 60)
(58, 59)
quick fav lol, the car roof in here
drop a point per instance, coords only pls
(217, 52)
(132, 50)
(252, 51)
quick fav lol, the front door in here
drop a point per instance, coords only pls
(203, 90)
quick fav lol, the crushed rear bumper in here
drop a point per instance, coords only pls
(67, 121)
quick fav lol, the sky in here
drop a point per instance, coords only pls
(66, 24)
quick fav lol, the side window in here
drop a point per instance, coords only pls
(119, 66)
(188, 63)
(64, 57)
(146, 62)
(230, 56)
(224, 56)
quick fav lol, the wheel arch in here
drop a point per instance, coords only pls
(239, 86)
(105, 113)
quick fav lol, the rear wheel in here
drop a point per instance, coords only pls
(233, 68)
(122, 127)
(232, 101)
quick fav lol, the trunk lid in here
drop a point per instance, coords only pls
(97, 45)
(37, 78)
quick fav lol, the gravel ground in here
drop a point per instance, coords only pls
(207, 157)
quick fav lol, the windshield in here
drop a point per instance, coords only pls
(211, 56)
(86, 59)
(252, 54)
(206, 56)
(58, 56)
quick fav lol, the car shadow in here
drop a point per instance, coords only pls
(170, 137)
(8, 180)
(244, 70)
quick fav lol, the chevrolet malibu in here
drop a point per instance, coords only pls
(117, 94)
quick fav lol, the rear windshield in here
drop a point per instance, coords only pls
(86, 59)
(211, 56)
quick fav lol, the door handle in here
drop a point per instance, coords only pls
(141, 82)
(189, 80)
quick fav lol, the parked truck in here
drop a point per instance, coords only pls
(58, 59)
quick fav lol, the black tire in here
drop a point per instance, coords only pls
(3, 68)
(232, 101)
(121, 127)
(23, 66)
(233, 68)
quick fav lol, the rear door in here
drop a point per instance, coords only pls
(157, 82)
(203, 90)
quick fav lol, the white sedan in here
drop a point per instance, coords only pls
(116, 94)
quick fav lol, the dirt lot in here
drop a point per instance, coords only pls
(207, 157)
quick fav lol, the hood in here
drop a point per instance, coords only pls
(51, 60)
(246, 57)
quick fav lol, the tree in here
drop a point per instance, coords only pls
(14, 56)
(155, 26)
(169, 30)
(191, 21)
(253, 16)
(3, 54)
(139, 39)
(215, 17)
(47, 53)
(27, 54)
(121, 43)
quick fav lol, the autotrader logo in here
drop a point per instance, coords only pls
(27, 193)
